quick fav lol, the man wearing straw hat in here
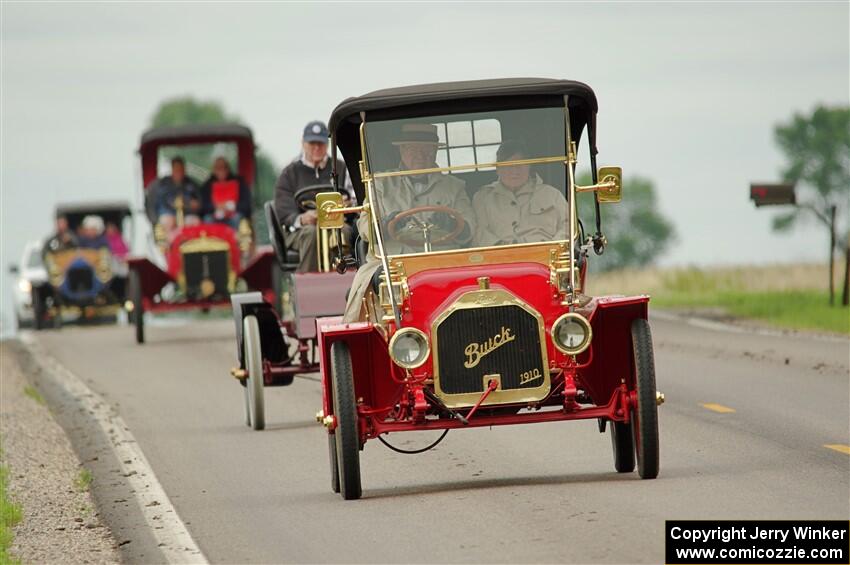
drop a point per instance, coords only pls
(417, 146)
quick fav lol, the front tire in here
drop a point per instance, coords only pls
(135, 283)
(253, 356)
(645, 414)
(345, 412)
(247, 404)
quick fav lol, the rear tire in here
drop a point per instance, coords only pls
(253, 355)
(334, 463)
(277, 289)
(645, 414)
(57, 317)
(623, 446)
(345, 412)
(135, 284)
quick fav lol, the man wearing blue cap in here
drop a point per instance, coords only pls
(312, 167)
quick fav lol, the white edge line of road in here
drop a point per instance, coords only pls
(731, 328)
(174, 539)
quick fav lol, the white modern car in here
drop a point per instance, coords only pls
(30, 271)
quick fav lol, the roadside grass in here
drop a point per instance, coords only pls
(10, 515)
(801, 309)
(786, 296)
(33, 393)
(83, 480)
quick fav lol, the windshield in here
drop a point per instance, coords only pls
(199, 158)
(469, 180)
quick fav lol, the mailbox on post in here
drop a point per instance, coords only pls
(763, 194)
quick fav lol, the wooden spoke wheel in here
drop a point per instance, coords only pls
(253, 356)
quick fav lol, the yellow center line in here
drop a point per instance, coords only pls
(719, 408)
(838, 447)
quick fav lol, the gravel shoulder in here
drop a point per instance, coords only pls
(60, 520)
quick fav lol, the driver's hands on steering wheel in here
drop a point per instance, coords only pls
(402, 225)
(446, 222)
(443, 221)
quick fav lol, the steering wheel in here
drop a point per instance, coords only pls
(305, 197)
(275, 234)
(418, 231)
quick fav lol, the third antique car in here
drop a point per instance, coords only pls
(86, 275)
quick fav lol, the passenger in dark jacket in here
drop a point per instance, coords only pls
(166, 192)
(312, 167)
(225, 198)
(63, 239)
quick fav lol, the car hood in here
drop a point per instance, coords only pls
(432, 291)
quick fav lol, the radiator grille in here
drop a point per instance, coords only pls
(206, 274)
(503, 340)
(80, 279)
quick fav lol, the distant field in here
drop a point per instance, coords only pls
(789, 296)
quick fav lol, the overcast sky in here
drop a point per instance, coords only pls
(688, 92)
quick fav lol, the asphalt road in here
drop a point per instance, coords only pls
(509, 494)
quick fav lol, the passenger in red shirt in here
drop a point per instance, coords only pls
(224, 197)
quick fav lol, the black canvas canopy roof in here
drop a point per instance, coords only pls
(458, 97)
(109, 210)
(192, 133)
(93, 207)
(198, 134)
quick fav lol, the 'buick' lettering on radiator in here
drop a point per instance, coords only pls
(476, 351)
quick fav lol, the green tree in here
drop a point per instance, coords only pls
(817, 152)
(188, 110)
(637, 232)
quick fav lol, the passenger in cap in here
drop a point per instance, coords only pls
(312, 167)
(519, 207)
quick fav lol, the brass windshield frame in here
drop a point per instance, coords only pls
(375, 225)
(571, 197)
(473, 167)
(368, 178)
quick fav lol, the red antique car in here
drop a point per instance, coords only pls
(471, 307)
(276, 338)
(202, 264)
